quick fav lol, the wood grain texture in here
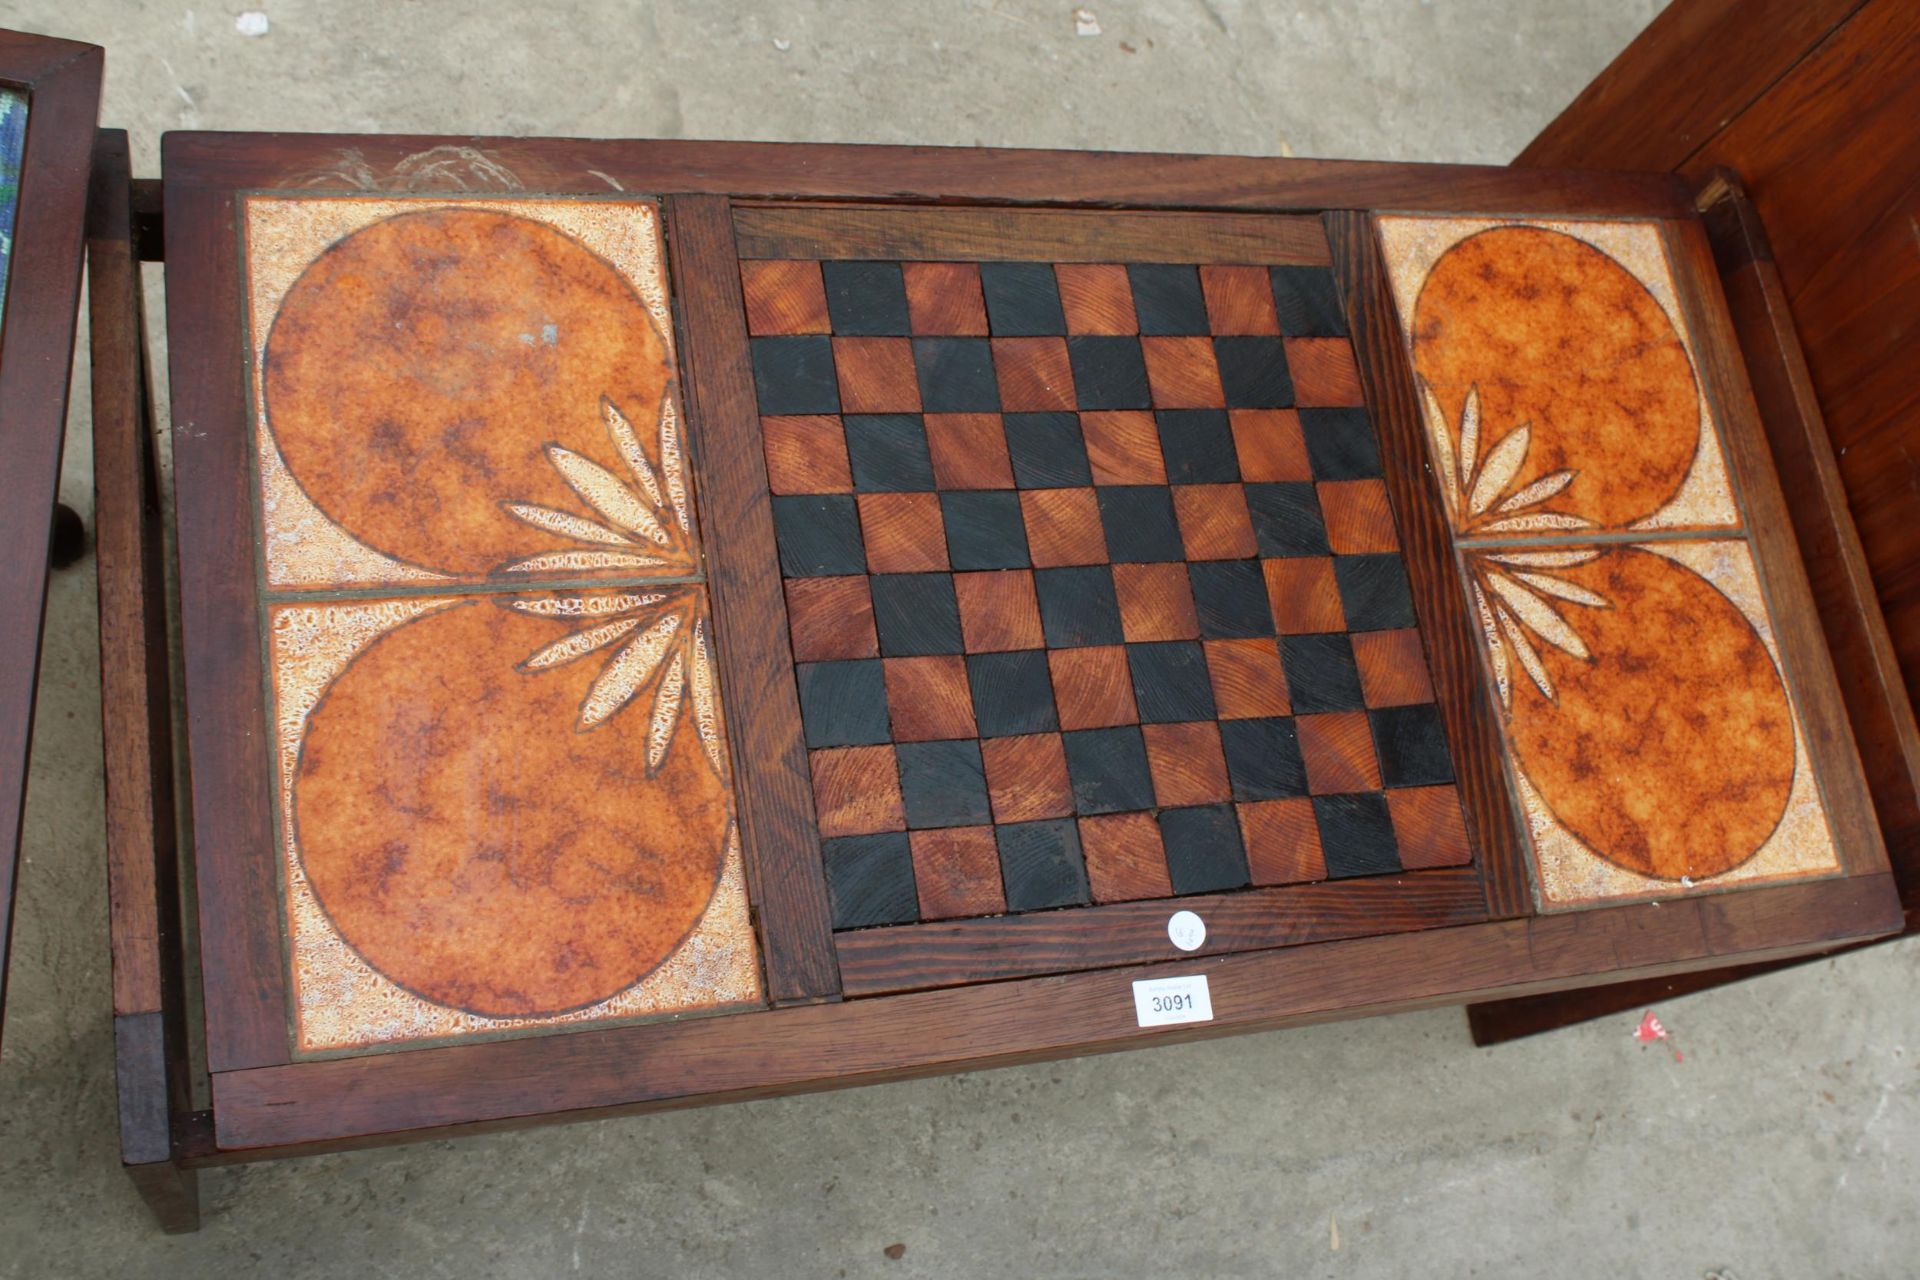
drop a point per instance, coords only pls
(231, 785)
(920, 956)
(1828, 159)
(151, 1054)
(1796, 624)
(1865, 663)
(1462, 690)
(771, 785)
(62, 80)
(136, 718)
(907, 234)
(314, 1106)
(1699, 64)
(989, 175)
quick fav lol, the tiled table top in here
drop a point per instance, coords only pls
(1094, 592)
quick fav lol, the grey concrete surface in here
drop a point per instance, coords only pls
(1776, 1135)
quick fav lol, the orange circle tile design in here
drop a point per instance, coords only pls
(1560, 338)
(1618, 751)
(418, 368)
(481, 850)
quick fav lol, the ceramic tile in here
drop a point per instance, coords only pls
(538, 832)
(1558, 376)
(1655, 743)
(501, 806)
(520, 419)
(1651, 732)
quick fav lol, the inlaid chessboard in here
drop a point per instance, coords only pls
(1094, 587)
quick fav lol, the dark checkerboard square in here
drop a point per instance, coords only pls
(1263, 758)
(1109, 770)
(916, 614)
(1374, 592)
(1321, 673)
(985, 529)
(1048, 450)
(870, 880)
(956, 375)
(1023, 300)
(1041, 864)
(1254, 373)
(796, 375)
(943, 784)
(1108, 373)
(1168, 299)
(1230, 598)
(1308, 301)
(1198, 446)
(1012, 693)
(1078, 606)
(1412, 744)
(888, 452)
(818, 535)
(1171, 682)
(1356, 835)
(1286, 519)
(1340, 444)
(1140, 524)
(866, 299)
(1204, 852)
(843, 704)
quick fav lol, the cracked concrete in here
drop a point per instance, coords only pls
(1776, 1135)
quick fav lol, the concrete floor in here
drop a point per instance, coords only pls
(1777, 1134)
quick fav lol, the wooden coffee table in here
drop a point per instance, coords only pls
(673, 622)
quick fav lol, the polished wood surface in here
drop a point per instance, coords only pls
(231, 787)
(951, 953)
(1699, 64)
(401, 1096)
(153, 1073)
(61, 80)
(908, 234)
(990, 175)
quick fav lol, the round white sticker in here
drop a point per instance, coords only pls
(1186, 930)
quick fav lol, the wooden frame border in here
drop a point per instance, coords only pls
(772, 788)
(838, 171)
(928, 233)
(61, 81)
(143, 871)
(350, 1102)
(949, 953)
(1462, 690)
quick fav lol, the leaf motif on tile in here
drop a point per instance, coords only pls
(659, 637)
(648, 524)
(579, 644)
(1521, 604)
(628, 672)
(1477, 488)
(661, 655)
